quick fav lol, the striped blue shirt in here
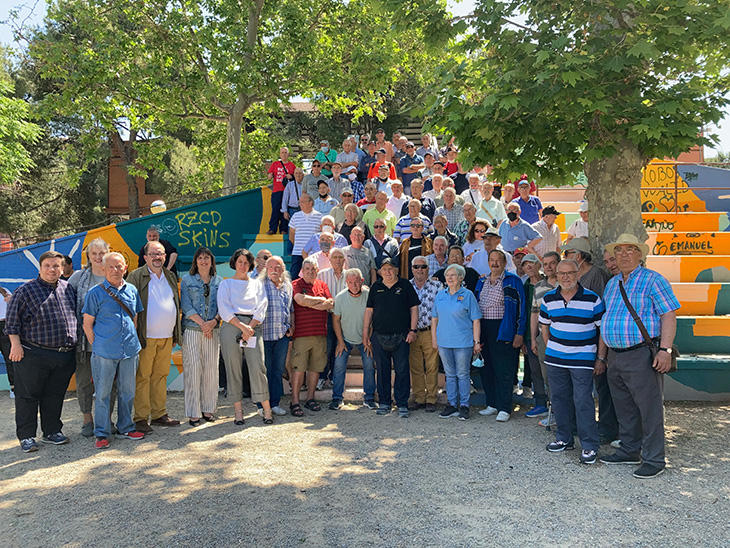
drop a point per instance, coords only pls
(573, 328)
(651, 296)
(278, 312)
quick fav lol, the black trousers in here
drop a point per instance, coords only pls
(41, 381)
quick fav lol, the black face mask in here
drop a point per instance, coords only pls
(512, 216)
(383, 178)
(354, 294)
(323, 196)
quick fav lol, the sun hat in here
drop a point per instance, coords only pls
(628, 239)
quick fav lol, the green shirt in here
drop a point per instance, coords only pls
(351, 311)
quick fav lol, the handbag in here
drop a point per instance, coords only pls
(650, 344)
(389, 342)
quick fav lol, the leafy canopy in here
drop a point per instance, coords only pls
(542, 86)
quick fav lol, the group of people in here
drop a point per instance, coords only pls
(467, 280)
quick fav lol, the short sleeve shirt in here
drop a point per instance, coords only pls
(309, 322)
(392, 306)
(280, 170)
(529, 210)
(351, 311)
(456, 314)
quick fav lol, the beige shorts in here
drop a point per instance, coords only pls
(309, 353)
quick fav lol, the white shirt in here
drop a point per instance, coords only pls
(472, 196)
(579, 229)
(3, 305)
(395, 205)
(383, 186)
(161, 311)
(550, 237)
(491, 209)
(304, 225)
(480, 262)
(242, 297)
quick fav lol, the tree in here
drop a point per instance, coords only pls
(155, 65)
(551, 88)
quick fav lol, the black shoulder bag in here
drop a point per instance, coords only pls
(119, 301)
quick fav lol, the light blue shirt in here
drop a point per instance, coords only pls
(517, 236)
(115, 336)
(456, 314)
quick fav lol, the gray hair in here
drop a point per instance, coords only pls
(285, 276)
(443, 239)
(337, 251)
(353, 272)
(113, 254)
(460, 271)
(419, 258)
(326, 218)
(569, 261)
(97, 242)
(311, 260)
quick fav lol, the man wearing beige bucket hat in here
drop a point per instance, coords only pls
(635, 373)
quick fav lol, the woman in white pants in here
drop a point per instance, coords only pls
(201, 344)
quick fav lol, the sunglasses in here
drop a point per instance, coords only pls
(419, 267)
(416, 226)
(206, 290)
(378, 226)
(479, 231)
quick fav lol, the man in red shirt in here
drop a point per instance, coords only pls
(312, 300)
(280, 172)
(380, 157)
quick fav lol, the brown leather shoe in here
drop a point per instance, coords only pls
(142, 426)
(165, 420)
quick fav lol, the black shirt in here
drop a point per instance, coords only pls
(346, 230)
(169, 249)
(470, 279)
(428, 208)
(392, 306)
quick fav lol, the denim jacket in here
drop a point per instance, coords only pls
(193, 300)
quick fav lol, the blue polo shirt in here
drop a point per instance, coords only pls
(517, 236)
(115, 336)
(456, 314)
(529, 209)
(408, 161)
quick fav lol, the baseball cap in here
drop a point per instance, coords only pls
(389, 261)
(521, 251)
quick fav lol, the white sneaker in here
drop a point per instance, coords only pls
(503, 416)
(616, 444)
(320, 384)
(260, 411)
(488, 411)
(527, 393)
(12, 394)
(278, 411)
(516, 389)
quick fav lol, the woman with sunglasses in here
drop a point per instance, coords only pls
(201, 344)
(475, 239)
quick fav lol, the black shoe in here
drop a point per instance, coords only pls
(195, 422)
(647, 471)
(448, 412)
(558, 446)
(618, 459)
(335, 405)
(463, 413)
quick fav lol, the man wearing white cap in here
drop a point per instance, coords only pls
(636, 371)
(579, 227)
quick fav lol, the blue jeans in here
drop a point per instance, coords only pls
(331, 345)
(277, 219)
(340, 370)
(571, 391)
(275, 358)
(457, 366)
(288, 243)
(399, 360)
(104, 370)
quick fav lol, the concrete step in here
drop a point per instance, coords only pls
(703, 335)
(691, 268)
(703, 299)
(699, 377)
(704, 221)
(689, 243)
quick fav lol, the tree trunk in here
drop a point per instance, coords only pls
(233, 147)
(614, 197)
(129, 156)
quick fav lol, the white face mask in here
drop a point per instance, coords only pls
(352, 176)
(324, 149)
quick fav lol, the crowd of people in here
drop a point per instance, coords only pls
(413, 273)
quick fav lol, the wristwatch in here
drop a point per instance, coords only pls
(413, 330)
(600, 359)
(667, 350)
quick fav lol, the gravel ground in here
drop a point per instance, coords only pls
(351, 478)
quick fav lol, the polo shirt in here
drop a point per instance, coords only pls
(328, 158)
(470, 280)
(372, 214)
(304, 224)
(573, 327)
(161, 309)
(392, 306)
(651, 296)
(309, 322)
(517, 236)
(324, 206)
(310, 184)
(456, 314)
(408, 161)
(529, 210)
(351, 311)
(403, 227)
(115, 336)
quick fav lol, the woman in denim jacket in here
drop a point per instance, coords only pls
(201, 344)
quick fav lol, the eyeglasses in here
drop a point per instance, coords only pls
(568, 273)
(626, 250)
(419, 266)
(416, 226)
(378, 226)
(410, 146)
(316, 165)
(479, 230)
(154, 255)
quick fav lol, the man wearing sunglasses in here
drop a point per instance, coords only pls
(416, 245)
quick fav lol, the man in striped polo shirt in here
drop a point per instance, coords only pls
(302, 225)
(573, 317)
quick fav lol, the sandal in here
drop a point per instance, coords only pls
(296, 410)
(238, 422)
(312, 405)
(209, 418)
(268, 421)
(195, 422)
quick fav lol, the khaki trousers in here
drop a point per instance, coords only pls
(424, 364)
(150, 398)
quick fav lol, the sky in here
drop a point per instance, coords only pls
(35, 9)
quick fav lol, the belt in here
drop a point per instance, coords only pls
(655, 340)
(60, 349)
(424, 329)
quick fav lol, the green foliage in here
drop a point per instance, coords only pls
(582, 77)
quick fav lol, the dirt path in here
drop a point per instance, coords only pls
(351, 478)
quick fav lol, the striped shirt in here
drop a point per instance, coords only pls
(651, 296)
(403, 227)
(309, 322)
(550, 237)
(278, 311)
(334, 284)
(574, 327)
(304, 225)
